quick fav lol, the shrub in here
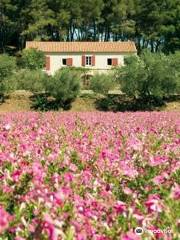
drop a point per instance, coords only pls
(175, 62)
(30, 80)
(149, 76)
(42, 103)
(102, 83)
(32, 59)
(64, 86)
(7, 67)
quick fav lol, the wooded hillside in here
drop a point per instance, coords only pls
(150, 23)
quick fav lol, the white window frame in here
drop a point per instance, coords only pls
(88, 60)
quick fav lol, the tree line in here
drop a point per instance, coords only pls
(153, 24)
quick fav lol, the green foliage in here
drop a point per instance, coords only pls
(150, 76)
(42, 103)
(102, 83)
(64, 86)
(151, 24)
(7, 67)
(32, 59)
(175, 62)
(157, 25)
(7, 22)
(69, 234)
(30, 80)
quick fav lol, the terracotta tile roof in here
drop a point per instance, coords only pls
(123, 47)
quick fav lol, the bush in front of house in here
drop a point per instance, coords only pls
(150, 76)
(32, 59)
(7, 67)
(30, 80)
(64, 86)
(102, 83)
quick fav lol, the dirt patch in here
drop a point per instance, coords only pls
(12, 105)
(20, 101)
(17, 101)
(171, 106)
(83, 105)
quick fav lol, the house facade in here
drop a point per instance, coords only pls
(95, 56)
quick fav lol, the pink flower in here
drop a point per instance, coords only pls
(120, 207)
(175, 192)
(51, 231)
(16, 175)
(160, 178)
(138, 216)
(5, 218)
(68, 177)
(127, 191)
(50, 228)
(19, 238)
(158, 160)
(73, 167)
(130, 236)
(7, 127)
(102, 238)
(135, 144)
(86, 176)
(154, 204)
(81, 236)
(59, 198)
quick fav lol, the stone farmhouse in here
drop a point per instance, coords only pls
(95, 56)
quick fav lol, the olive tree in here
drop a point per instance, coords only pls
(102, 83)
(150, 75)
(32, 59)
(7, 68)
(64, 86)
(30, 80)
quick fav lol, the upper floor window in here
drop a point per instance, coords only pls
(88, 60)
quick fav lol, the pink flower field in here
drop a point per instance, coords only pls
(89, 176)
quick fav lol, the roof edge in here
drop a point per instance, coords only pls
(41, 45)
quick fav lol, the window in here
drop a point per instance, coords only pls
(109, 61)
(88, 60)
(64, 61)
